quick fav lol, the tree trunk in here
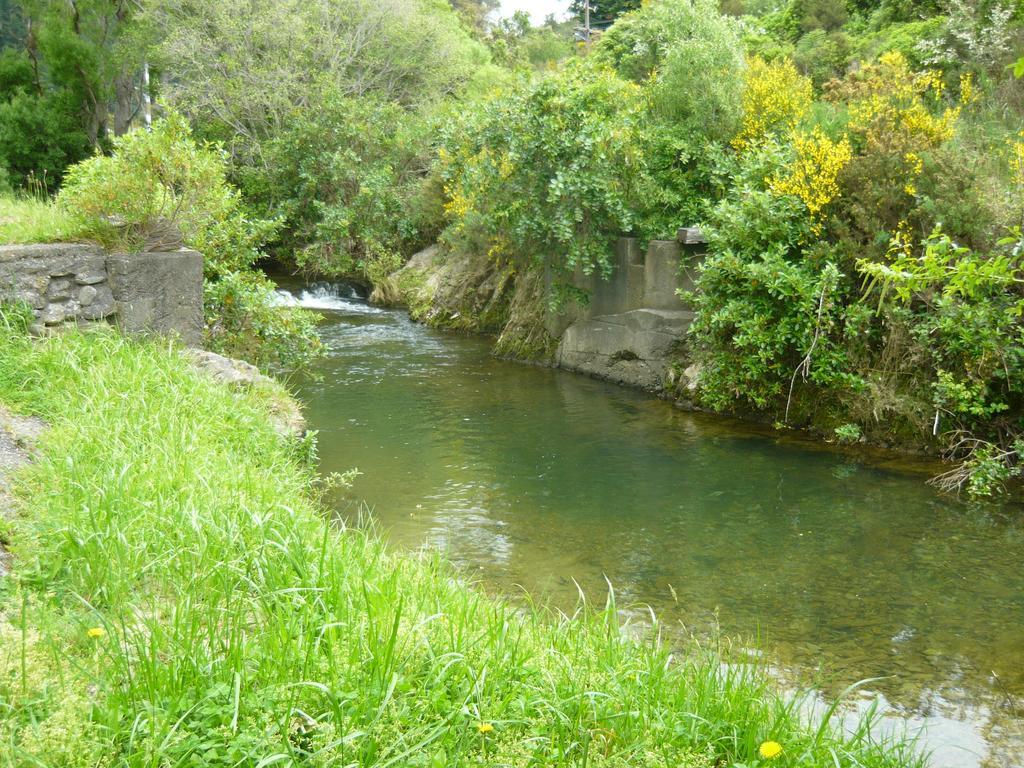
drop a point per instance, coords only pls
(124, 108)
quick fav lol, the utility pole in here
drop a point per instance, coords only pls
(586, 21)
(147, 104)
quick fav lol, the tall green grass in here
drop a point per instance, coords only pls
(29, 220)
(241, 628)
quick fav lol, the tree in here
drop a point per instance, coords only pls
(69, 65)
(603, 12)
(244, 68)
(86, 48)
(12, 24)
(515, 42)
(40, 133)
(475, 12)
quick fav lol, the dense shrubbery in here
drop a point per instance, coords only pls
(345, 181)
(807, 136)
(546, 174)
(159, 189)
(857, 126)
(762, 304)
(547, 171)
(39, 135)
(904, 178)
(324, 109)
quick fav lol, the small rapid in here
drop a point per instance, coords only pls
(322, 295)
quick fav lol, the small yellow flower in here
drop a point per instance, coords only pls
(96, 632)
(483, 728)
(769, 750)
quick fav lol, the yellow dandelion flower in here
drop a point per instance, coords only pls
(483, 728)
(96, 632)
(769, 750)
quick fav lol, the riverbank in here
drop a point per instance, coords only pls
(178, 596)
(464, 295)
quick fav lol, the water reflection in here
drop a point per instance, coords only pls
(532, 477)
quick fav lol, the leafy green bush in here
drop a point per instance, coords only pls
(160, 188)
(551, 169)
(546, 174)
(344, 181)
(159, 181)
(40, 133)
(766, 312)
(245, 319)
(847, 433)
(821, 55)
(688, 57)
(967, 312)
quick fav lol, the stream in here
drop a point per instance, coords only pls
(832, 565)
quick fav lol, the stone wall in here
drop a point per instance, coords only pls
(635, 320)
(141, 293)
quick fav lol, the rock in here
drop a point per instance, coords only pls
(631, 348)
(59, 290)
(225, 369)
(692, 374)
(33, 298)
(87, 295)
(52, 315)
(101, 304)
(90, 277)
(285, 412)
(18, 435)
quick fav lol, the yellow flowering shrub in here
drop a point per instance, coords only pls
(775, 99)
(1017, 159)
(813, 174)
(891, 105)
(968, 91)
(459, 199)
(915, 165)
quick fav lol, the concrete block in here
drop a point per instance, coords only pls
(661, 275)
(159, 293)
(632, 348)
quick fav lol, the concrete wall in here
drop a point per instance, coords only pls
(635, 319)
(640, 280)
(141, 293)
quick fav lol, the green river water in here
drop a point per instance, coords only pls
(835, 566)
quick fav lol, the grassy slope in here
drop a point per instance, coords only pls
(27, 220)
(242, 629)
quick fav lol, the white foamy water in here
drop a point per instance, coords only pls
(331, 297)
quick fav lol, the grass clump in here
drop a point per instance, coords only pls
(28, 220)
(179, 600)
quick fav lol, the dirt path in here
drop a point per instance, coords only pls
(17, 436)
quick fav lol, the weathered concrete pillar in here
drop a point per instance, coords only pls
(661, 275)
(631, 262)
(159, 293)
